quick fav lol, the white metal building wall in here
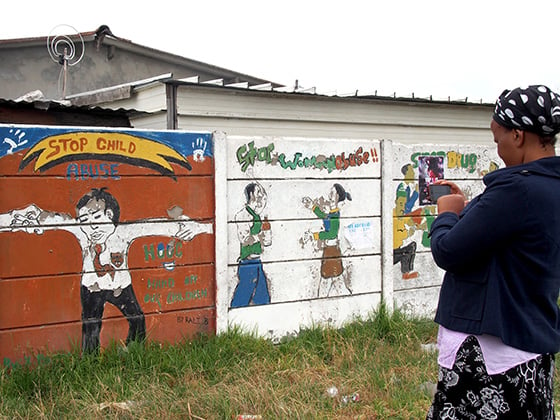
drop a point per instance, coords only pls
(247, 112)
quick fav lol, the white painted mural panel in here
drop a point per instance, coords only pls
(303, 225)
(429, 274)
(420, 302)
(415, 168)
(459, 161)
(417, 219)
(285, 197)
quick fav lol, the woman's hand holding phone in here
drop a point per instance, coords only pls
(454, 202)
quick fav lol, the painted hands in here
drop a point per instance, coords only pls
(189, 229)
(199, 147)
(16, 140)
(26, 220)
(307, 202)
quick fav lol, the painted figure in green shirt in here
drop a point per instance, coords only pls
(332, 269)
(254, 234)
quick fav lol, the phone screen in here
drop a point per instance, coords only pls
(436, 191)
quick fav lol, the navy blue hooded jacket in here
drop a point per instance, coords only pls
(502, 259)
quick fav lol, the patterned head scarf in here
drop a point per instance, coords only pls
(535, 109)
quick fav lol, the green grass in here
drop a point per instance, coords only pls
(237, 373)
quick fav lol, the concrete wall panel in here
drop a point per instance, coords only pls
(321, 204)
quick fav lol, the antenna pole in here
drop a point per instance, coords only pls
(65, 73)
(63, 51)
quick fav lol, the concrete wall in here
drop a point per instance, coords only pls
(273, 246)
(296, 178)
(382, 235)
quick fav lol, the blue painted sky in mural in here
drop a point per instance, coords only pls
(14, 138)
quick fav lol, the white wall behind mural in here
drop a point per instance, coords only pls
(302, 234)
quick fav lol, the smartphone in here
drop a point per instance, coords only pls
(436, 191)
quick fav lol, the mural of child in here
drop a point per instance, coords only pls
(332, 269)
(404, 226)
(105, 244)
(254, 234)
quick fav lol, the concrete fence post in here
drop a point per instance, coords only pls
(387, 196)
(220, 190)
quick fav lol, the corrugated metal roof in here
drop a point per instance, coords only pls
(314, 92)
(46, 105)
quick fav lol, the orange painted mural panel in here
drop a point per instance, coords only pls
(103, 229)
(186, 287)
(46, 339)
(55, 252)
(81, 143)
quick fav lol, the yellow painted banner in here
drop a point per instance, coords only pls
(60, 148)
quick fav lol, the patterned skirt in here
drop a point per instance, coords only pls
(467, 391)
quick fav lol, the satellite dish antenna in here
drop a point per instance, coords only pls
(62, 49)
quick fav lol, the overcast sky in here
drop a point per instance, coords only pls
(443, 48)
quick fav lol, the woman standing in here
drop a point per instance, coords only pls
(498, 313)
(331, 261)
